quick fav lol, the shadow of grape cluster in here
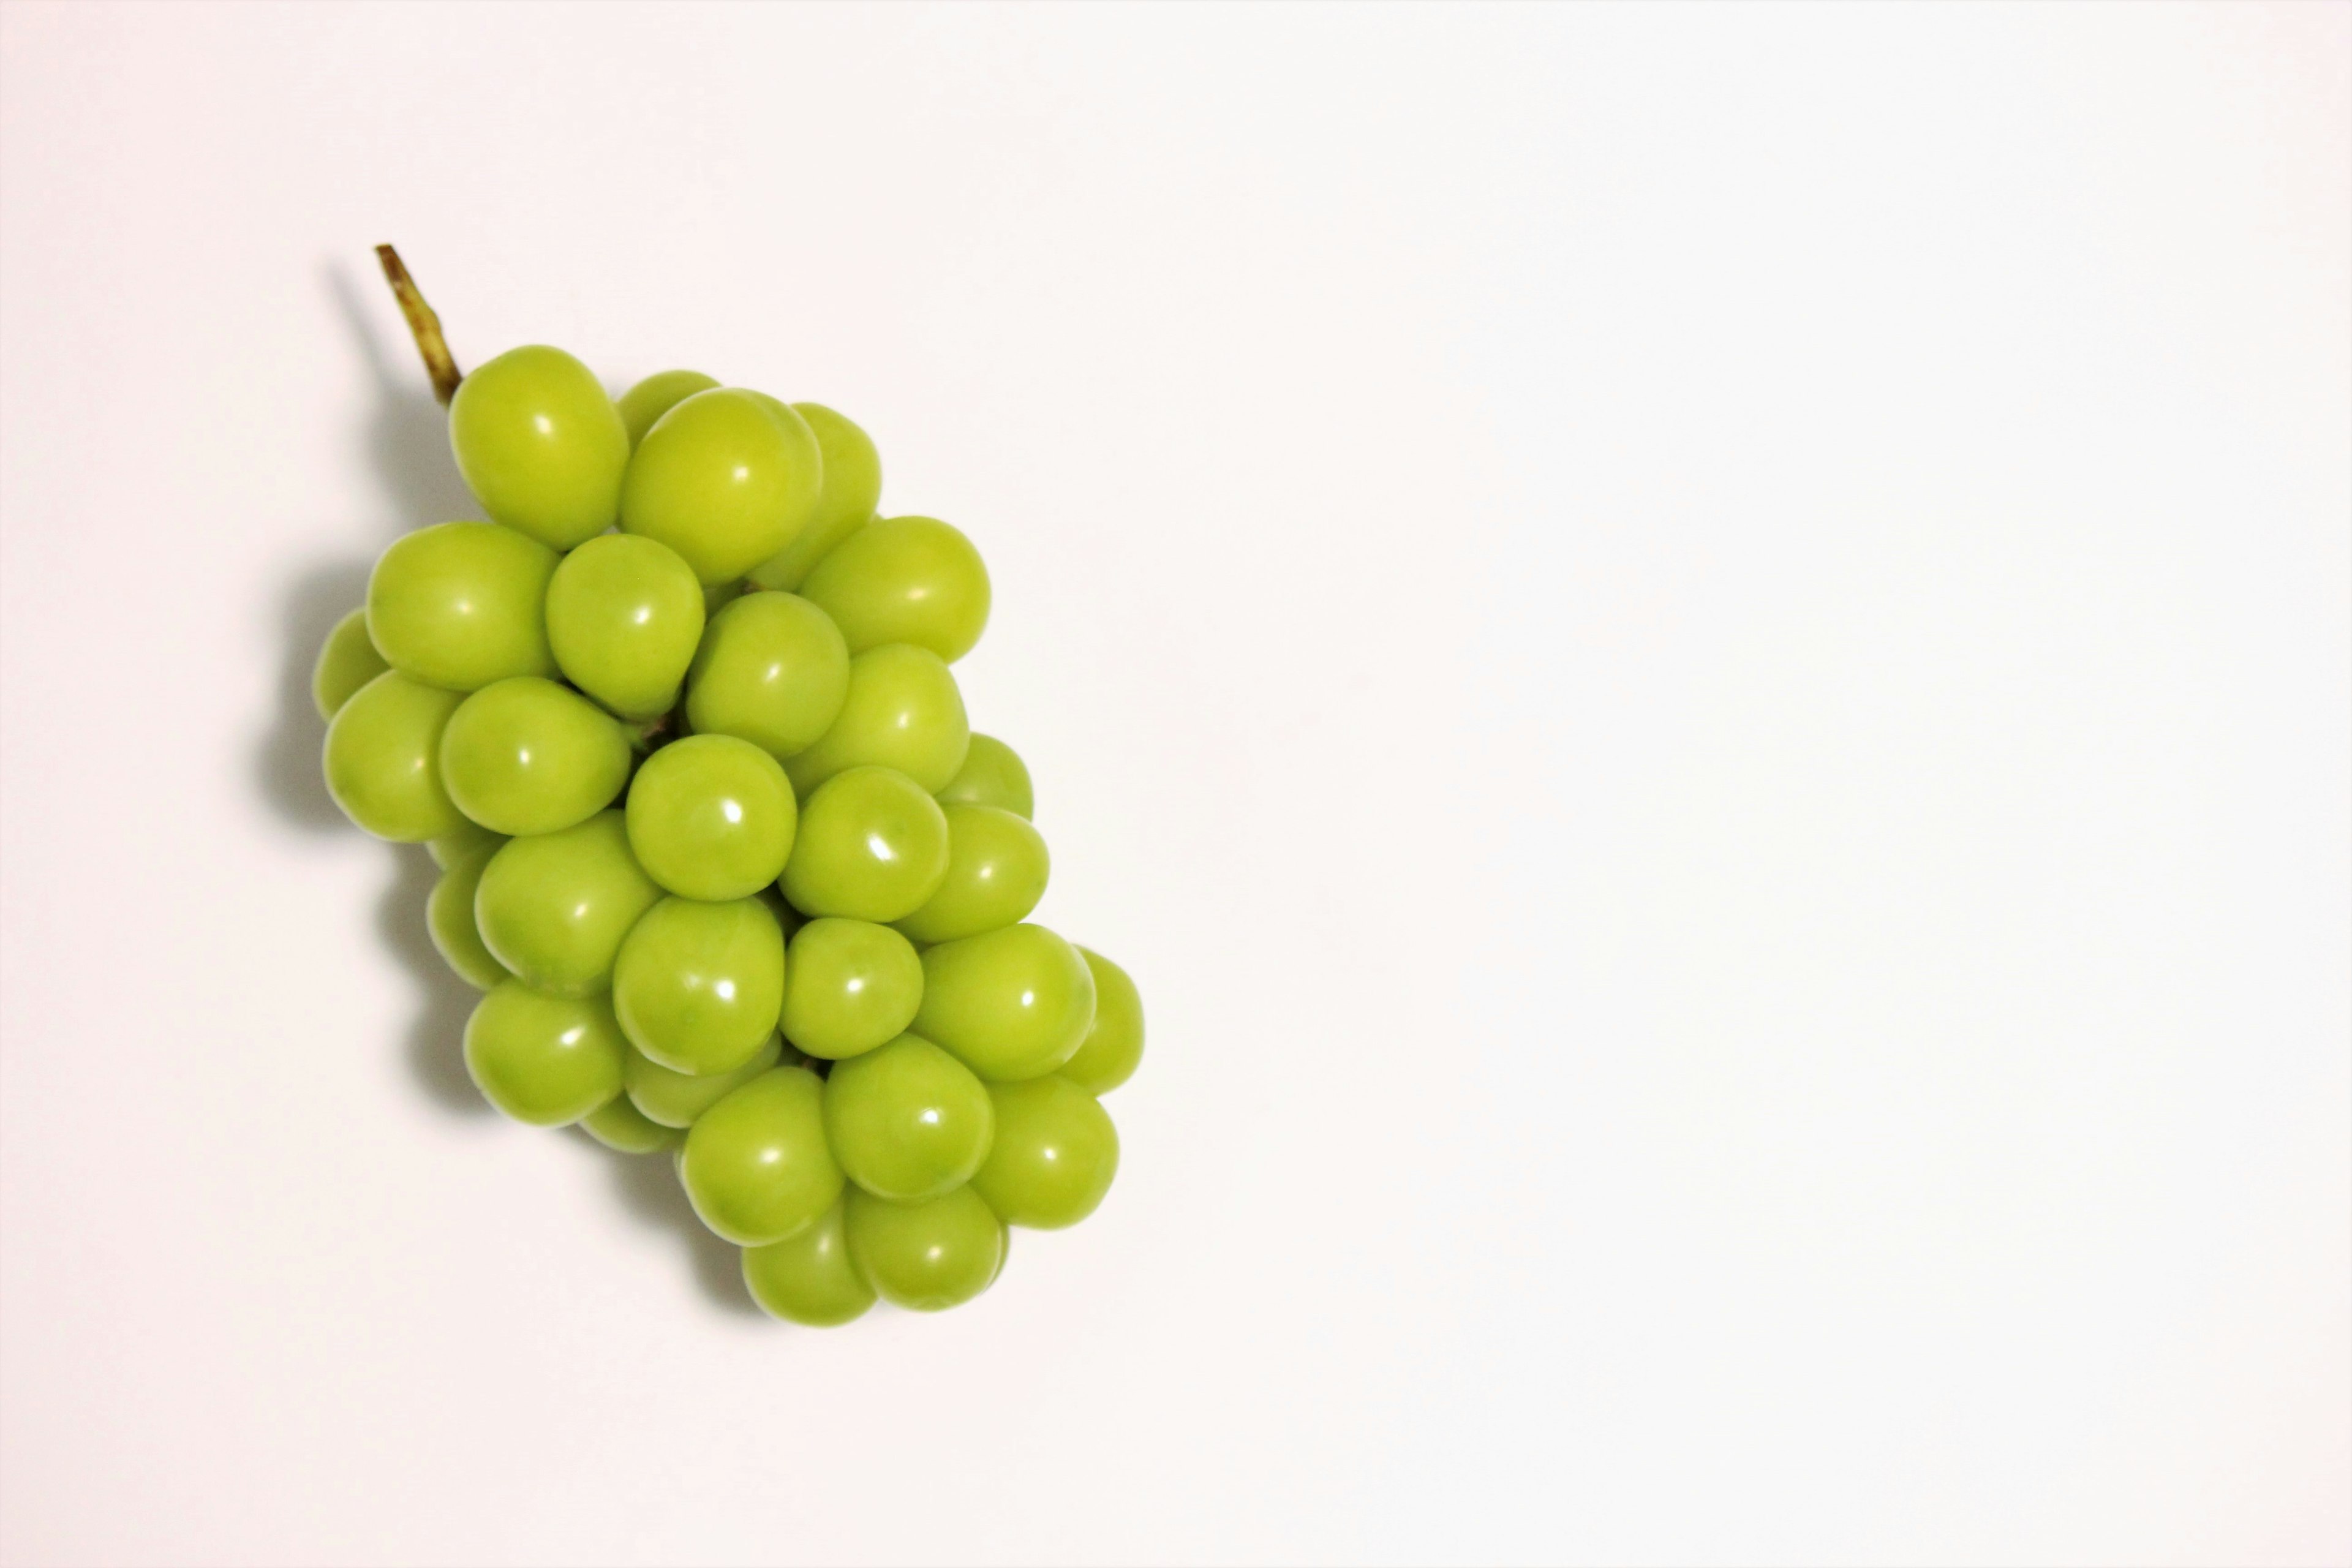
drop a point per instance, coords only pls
(406, 447)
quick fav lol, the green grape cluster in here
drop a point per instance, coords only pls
(717, 844)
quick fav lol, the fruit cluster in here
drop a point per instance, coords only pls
(716, 841)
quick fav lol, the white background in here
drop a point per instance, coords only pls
(1699, 655)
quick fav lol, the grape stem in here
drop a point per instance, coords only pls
(655, 733)
(423, 324)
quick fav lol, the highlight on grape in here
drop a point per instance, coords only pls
(737, 880)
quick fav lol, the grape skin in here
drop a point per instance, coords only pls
(992, 774)
(712, 817)
(772, 670)
(555, 907)
(909, 1122)
(541, 444)
(871, 846)
(619, 1125)
(383, 760)
(452, 847)
(925, 1257)
(699, 986)
(1053, 1157)
(903, 711)
(656, 395)
(1114, 1043)
(348, 660)
(724, 480)
(809, 1279)
(851, 489)
(757, 1166)
(545, 1060)
(675, 1099)
(997, 867)
(623, 617)
(449, 916)
(461, 605)
(852, 986)
(904, 580)
(1012, 1005)
(525, 755)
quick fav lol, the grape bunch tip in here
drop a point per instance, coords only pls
(737, 880)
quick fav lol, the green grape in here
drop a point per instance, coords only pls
(1054, 1155)
(656, 395)
(546, 1060)
(849, 985)
(872, 846)
(1014, 1004)
(383, 760)
(996, 873)
(925, 1257)
(808, 1277)
(907, 1122)
(348, 660)
(675, 1098)
(555, 907)
(992, 774)
(460, 604)
(624, 614)
(619, 1124)
(904, 580)
(449, 917)
(468, 837)
(525, 756)
(711, 818)
(698, 986)
(541, 444)
(1114, 1042)
(772, 670)
(756, 1165)
(901, 711)
(723, 481)
(853, 483)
